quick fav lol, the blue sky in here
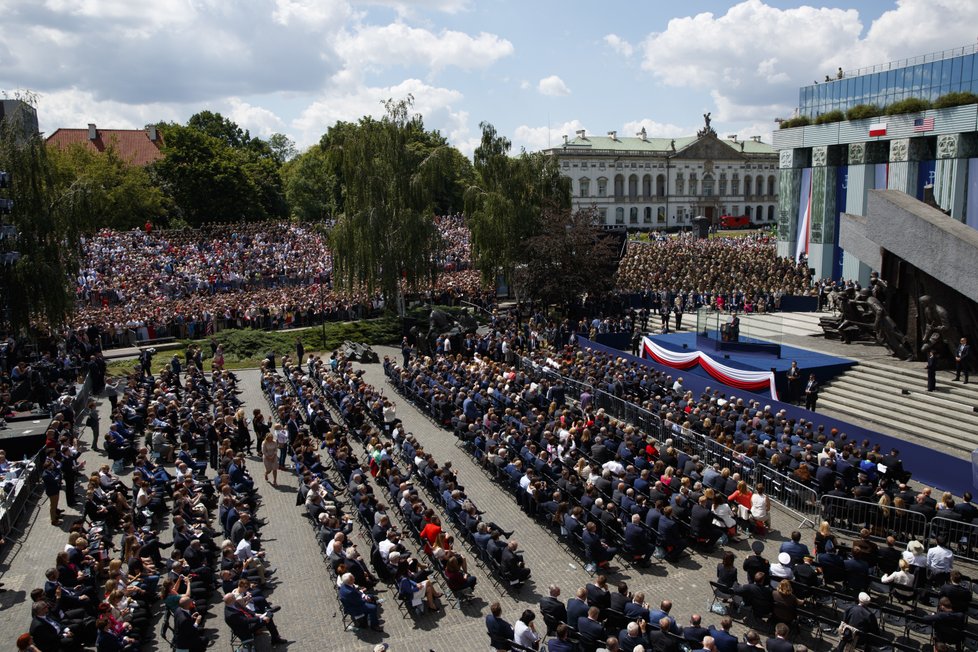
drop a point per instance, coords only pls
(297, 66)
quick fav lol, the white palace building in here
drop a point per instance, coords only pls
(660, 183)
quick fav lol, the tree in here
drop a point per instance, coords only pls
(283, 148)
(48, 218)
(567, 258)
(216, 172)
(506, 203)
(122, 196)
(311, 186)
(386, 233)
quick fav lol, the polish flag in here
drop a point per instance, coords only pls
(877, 129)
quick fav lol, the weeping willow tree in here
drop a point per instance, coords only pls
(386, 233)
(506, 204)
(48, 214)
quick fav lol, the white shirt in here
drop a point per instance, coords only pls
(243, 551)
(523, 635)
(940, 559)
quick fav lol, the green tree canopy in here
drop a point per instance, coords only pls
(386, 232)
(507, 201)
(567, 258)
(121, 196)
(216, 172)
(311, 186)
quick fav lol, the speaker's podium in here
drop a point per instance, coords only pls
(727, 332)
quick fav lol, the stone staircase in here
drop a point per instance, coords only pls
(872, 391)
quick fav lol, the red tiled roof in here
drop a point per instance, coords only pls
(132, 145)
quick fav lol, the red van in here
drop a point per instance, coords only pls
(734, 222)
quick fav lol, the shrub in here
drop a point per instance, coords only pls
(830, 116)
(797, 121)
(909, 105)
(863, 111)
(955, 99)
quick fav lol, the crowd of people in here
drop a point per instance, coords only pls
(117, 572)
(143, 285)
(722, 273)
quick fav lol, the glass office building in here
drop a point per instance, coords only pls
(928, 77)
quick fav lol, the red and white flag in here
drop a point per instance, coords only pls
(877, 129)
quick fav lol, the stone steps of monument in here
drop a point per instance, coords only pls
(919, 431)
(891, 402)
(912, 376)
(948, 396)
(873, 393)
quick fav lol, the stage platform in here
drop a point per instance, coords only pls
(824, 366)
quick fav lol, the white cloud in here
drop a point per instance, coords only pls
(619, 45)
(525, 84)
(73, 109)
(410, 7)
(536, 138)
(259, 121)
(436, 104)
(400, 44)
(654, 129)
(553, 86)
(754, 57)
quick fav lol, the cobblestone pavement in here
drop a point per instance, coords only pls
(310, 614)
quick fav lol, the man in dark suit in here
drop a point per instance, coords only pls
(561, 643)
(757, 595)
(695, 633)
(779, 642)
(811, 393)
(512, 563)
(577, 607)
(637, 609)
(931, 370)
(795, 548)
(598, 594)
(637, 539)
(794, 381)
(186, 627)
(355, 605)
(620, 598)
(632, 636)
(722, 638)
(948, 623)
(49, 634)
(246, 624)
(553, 610)
(500, 632)
(860, 617)
(659, 639)
(960, 596)
(590, 626)
(962, 360)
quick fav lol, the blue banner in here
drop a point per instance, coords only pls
(925, 177)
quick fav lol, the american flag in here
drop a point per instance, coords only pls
(923, 124)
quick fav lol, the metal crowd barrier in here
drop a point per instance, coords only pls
(960, 537)
(798, 498)
(850, 515)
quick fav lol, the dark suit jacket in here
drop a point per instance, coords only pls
(591, 629)
(634, 611)
(598, 597)
(725, 642)
(46, 637)
(553, 611)
(575, 610)
(660, 641)
(775, 644)
(185, 634)
(242, 622)
(499, 632)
